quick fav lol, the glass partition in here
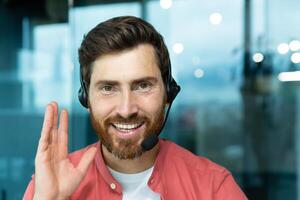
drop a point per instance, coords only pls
(236, 61)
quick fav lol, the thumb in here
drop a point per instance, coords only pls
(86, 160)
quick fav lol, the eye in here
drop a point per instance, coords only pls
(144, 86)
(107, 89)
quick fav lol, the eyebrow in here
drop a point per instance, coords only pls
(136, 81)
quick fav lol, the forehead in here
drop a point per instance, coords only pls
(127, 65)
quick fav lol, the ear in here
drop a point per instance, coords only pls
(166, 98)
(88, 106)
(167, 105)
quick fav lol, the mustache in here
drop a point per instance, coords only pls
(130, 119)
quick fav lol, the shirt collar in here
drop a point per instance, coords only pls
(158, 165)
(105, 173)
(154, 178)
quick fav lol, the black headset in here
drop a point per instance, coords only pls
(172, 88)
(82, 92)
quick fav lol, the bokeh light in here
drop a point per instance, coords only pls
(294, 45)
(199, 73)
(166, 4)
(283, 48)
(289, 76)
(258, 57)
(216, 18)
(295, 58)
(178, 48)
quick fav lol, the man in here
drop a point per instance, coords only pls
(126, 85)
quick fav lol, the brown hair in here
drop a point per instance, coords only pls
(118, 34)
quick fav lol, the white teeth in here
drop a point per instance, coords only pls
(126, 126)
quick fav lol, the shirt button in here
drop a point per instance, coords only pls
(113, 186)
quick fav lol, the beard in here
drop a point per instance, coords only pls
(126, 148)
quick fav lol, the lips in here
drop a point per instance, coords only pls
(127, 130)
(127, 127)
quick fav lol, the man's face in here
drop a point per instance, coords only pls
(126, 99)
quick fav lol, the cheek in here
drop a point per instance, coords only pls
(101, 109)
(152, 104)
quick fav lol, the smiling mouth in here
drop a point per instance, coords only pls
(122, 127)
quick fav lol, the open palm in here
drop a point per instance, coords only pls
(55, 176)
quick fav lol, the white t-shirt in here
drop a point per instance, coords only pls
(135, 185)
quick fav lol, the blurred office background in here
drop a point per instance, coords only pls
(237, 61)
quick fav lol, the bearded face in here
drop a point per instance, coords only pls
(126, 100)
(126, 148)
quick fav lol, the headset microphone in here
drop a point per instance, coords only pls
(149, 142)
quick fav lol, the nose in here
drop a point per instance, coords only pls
(127, 104)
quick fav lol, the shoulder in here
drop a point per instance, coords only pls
(194, 172)
(199, 171)
(198, 164)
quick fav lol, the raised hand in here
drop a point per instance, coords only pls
(55, 176)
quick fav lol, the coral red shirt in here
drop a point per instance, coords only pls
(177, 174)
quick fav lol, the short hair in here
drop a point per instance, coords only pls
(118, 34)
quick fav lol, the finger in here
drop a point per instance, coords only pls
(55, 111)
(55, 122)
(63, 134)
(46, 129)
(86, 160)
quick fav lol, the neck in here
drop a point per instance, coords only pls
(131, 166)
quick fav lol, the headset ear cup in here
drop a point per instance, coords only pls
(173, 90)
(82, 92)
(82, 97)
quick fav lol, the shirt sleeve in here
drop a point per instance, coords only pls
(229, 190)
(29, 191)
